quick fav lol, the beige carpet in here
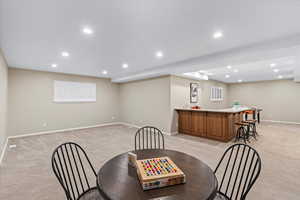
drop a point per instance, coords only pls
(26, 172)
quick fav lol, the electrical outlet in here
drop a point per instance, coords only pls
(45, 124)
(113, 117)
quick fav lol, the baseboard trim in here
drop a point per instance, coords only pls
(3, 151)
(130, 125)
(63, 130)
(281, 122)
(136, 126)
(68, 129)
(51, 132)
(174, 133)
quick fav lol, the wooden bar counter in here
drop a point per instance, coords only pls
(216, 124)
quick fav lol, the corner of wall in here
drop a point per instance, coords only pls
(147, 101)
(3, 103)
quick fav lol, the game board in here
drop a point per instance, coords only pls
(158, 172)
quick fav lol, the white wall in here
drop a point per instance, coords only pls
(180, 90)
(279, 99)
(31, 107)
(152, 101)
(3, 100)
(180, 96)
(146, 102)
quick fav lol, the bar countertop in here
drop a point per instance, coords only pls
(226, 110)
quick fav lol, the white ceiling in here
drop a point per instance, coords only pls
(280, 68)
(256, 32)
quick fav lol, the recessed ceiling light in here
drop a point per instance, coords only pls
(104, 72)
(229, 67)
(65, 54)
(125, 65)
(218, 34)
(273, 64)
(54, 65)
(276, 70)
(197, 75)
(87, 31)
(236, 70)
(227, 76)
(159, 54)
(280, 76)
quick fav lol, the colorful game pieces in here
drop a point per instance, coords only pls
(157, 166)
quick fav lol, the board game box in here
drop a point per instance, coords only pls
(158, 172)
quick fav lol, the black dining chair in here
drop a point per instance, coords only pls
(73, 170)
(149, 137)
(238, 168)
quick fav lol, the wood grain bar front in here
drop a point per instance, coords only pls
(213, 125)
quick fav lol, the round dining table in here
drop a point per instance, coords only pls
(118, 180)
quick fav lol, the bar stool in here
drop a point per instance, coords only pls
(252, 128)
(249, 112)
(242, 132)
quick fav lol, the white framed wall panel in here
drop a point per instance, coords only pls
(67, 91)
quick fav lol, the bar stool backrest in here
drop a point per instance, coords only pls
(73, 169)
(238, 168)
(149, 137)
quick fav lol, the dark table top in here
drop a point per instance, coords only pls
(119, 180)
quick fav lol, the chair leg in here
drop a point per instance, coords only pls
(256, 134)
(247, 133)
(237, 136)
(254, 131)
(240, 134)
